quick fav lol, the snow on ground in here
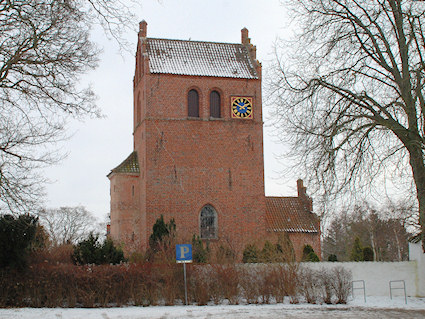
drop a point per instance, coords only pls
(375, 307)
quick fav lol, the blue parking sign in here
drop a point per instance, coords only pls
(184, 253)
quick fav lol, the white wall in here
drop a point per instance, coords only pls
(416, 254)
(377, 276)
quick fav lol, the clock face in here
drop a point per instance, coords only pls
(241, 107)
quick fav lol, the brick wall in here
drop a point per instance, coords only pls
(299, 240)
(125, 208)
(187, 163)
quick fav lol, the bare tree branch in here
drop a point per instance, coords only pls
(45, 49)
(349, 96)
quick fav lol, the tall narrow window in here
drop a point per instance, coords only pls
(215, 104)
(193, 103)
(208, 222)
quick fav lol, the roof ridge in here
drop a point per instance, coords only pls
(196, 41)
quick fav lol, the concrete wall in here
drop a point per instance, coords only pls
(377, 276)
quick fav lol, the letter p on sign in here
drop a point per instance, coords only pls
(184, 253)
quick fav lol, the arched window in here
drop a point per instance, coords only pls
(215, 104)
(193, 103)
(208, 222)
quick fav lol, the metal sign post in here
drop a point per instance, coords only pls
(185, 283)
(184, 256)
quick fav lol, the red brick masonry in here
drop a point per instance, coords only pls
(180, 164)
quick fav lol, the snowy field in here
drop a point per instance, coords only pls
(375, 307)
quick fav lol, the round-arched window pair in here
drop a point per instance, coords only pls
(193, 104)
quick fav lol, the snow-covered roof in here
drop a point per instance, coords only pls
(200, 58)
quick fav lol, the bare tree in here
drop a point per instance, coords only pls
(350, 95)
(405, 211)
(45, 48)
(337, 238)
(383, 229)
(67, 225)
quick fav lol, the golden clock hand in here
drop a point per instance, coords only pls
(242, 105)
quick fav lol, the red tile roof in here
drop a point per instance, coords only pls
(289, 214)
(200, 58)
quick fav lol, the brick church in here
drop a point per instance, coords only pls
(198, 151)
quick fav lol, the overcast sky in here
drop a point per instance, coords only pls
(98, 145)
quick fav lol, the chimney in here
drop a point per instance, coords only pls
(143, 28)
(245, 39)
(302, 195)
(300, 188)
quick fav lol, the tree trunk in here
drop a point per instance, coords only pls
(418, 170)
(374, 248)
(399, 256)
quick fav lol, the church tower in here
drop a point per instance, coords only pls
(198, 144)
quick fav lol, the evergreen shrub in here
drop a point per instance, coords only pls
(92, 251)
(17, 236)
(309, 254)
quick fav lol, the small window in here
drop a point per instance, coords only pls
(208, 222)
(193, 103)
(215, 104)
